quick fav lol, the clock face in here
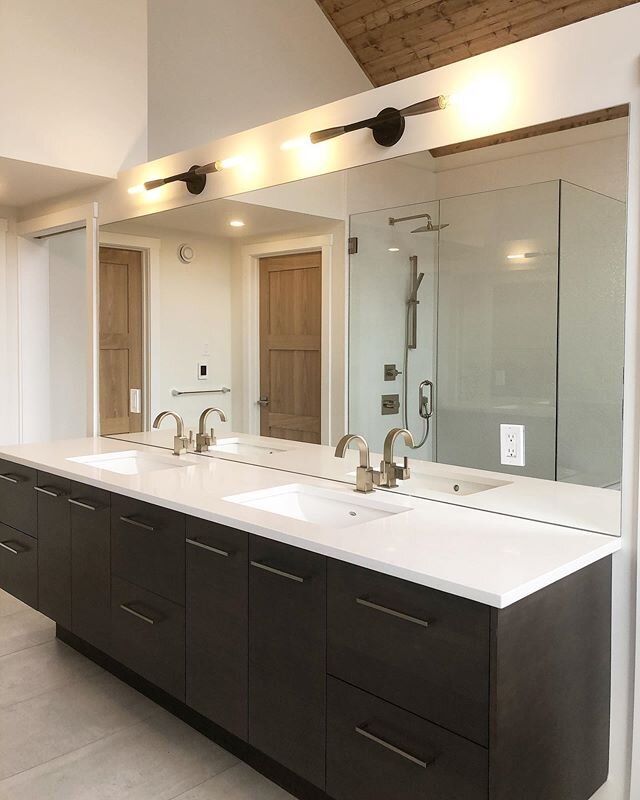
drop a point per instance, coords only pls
(186, 253)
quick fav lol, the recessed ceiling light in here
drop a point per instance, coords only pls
(394, 249)
(236, 223)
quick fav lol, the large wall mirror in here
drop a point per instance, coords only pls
(473, 295)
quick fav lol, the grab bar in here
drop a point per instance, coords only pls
(180, 392)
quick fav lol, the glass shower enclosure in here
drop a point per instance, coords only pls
(511, 304)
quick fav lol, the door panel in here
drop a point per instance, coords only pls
(290, 346)
(121, 343)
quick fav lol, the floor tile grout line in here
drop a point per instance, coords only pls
(30, 647)
(77, 749)
(210, 778)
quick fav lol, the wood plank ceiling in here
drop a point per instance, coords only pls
(393, 39)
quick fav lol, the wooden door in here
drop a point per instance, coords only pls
(290, 356)
(120, 339)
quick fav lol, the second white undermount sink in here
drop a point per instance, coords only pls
(237, 447)
(448, 484)
(318, 506)
(131, 462)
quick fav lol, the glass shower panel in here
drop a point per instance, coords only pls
(380, 288)
(590, 337)
(497, 327)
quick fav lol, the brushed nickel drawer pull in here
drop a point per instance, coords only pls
(82, 504)
(134, 613)
(6, 546)
(362, 601)
(362, 731)
(279, 572)
(7, 476)
(208, 547)
(137, 524)
(49, 491)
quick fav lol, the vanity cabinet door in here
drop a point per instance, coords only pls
(376, 751)
(54, 548)
(287, 654)
(18, 508)
(91, 565)
(423, 650)
(147, 546)
(19, 565)
(217, 623)
(148, 635)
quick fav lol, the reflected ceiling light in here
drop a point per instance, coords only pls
(516, 256)
(387, 126)
(394, 249)
(236, 223)
(195, 178)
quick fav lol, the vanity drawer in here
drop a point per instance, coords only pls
(18, 507)
(376, 751)
(19, 565)
(423, 650)
(148, 547)
(54, 547)
(148, 635)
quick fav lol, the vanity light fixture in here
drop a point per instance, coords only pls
(195, 177)
(394, 249)
(387, 127)
(236, 223)
(518, 256)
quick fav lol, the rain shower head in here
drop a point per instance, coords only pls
(428, 228)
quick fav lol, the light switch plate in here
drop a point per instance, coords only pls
(512, 445)
(203, 370)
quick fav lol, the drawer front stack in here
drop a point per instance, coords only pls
(18, 532)
(54, 547)
(148, 592)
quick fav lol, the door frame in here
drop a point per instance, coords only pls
(75, 218)
(250, 300)
(150, 250)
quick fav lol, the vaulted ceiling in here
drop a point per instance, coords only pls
(393, 39)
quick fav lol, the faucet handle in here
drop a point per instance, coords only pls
(404, 472)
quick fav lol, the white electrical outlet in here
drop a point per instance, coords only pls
(512, 445)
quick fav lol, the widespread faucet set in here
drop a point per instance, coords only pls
(366, 477)
(204, 440)
(389, 473)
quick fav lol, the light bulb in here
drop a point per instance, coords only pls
(236, 223)
(294, 144)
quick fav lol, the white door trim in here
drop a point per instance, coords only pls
(251, 255)
(74, 218)
(150, 249)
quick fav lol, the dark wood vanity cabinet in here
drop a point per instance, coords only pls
(287, 656)
(217, 624)
(54, 547)
(90, 511)
(338, 681)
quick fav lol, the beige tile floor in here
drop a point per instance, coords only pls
(71, 731)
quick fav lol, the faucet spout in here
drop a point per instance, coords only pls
(204, 440)
(390, 472)
(364, 473)
(180, 441)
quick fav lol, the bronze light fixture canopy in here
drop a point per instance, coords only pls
(195, 178)
(388, 126)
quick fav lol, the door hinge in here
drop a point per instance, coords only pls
(353, 245)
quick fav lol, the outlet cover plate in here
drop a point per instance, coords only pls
(512, 445)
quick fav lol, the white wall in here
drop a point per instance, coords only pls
(216, 68)
(73, 83)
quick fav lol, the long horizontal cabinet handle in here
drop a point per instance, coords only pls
(50, 491)
(363, 601)
(138, 614)
(362, 731)
(216, 550)
(290, 576)
(137, 523)
(7, 546)
(10, 478)
(83, 504)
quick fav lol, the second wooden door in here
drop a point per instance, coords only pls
(290, 346)
(121, 355)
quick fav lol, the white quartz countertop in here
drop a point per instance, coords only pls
(487, 557)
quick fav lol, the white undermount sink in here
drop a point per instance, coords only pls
(448, 484)
(131, 462)
(318, 506)
(237, 447)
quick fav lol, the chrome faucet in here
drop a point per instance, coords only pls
(204, 440)
(180, 441)
(364, 473)
(390, 472)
